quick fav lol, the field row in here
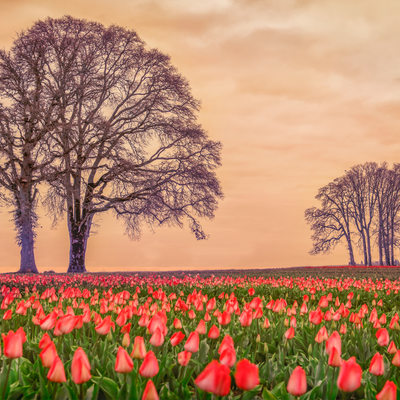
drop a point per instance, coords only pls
(135, 337)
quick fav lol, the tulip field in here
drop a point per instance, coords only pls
(122, 336)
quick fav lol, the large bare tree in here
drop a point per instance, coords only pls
(27, 113)
(127, 138)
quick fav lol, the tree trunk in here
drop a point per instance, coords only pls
(392, 243)
(77, 250)
(380, 241)
(364, 248)
(26, 237)
(28, 264)
(387, 242)
(369, 254)
(351, 254)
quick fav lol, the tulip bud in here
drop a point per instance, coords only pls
(150, 392)
(149, 367)
(246, 375)
(297, 384)
(349, 378)
(388, 392)
(215, 378)
(80, 367)
(377, 366)
(57, 372)
(123, 363)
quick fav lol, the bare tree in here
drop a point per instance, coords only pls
(26, 115)
(331, 223)
(388, 196)
(363, 204)
(362, 183)
(127, 134)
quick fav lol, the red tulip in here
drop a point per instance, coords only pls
(215, 378)
(201, 327)
(192, 343)
(224, 318)
(377, 366)
(228, 357)
(383, 337)
(396, 359)
(49, 321)
(246, 318)
(176, 338)
(104, 326)
(7, 315)
(333, 341)
(227, 341)
(80, 367)
(297, 384)
(139, 349)
(126, 328)
(392, 348)
(150, 392)
(334, 358)
(123, 363)
(44, 341)
(177, 324)
(184, 357)
(159, 321)
(20, 331)
(157, 338)
(289, 334)
(57, 372)
(126, 340)
(48, 354)
(315, 317)
(12, 344)
(213, 333)
(246, 376)
(349, 378)
(149, 367)
(389, 392)
(64, 325)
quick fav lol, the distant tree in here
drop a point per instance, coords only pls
(388, 203)
(127, 138)
(363, 204)
(332, 222)
(362, 182)
(27, 112)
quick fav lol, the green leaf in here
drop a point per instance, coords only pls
(203, 351)
(267, 395)
(109, 386)
(280, 391)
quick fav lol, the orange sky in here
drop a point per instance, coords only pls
(297, 91)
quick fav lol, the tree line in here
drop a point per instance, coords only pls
(361, 209)
(91, 121)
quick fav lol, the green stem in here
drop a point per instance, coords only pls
(81, 392)
(3, 392)
(53, 395)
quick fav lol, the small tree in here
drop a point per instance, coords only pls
(127, 138)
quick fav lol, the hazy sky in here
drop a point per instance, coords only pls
(297, 91)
